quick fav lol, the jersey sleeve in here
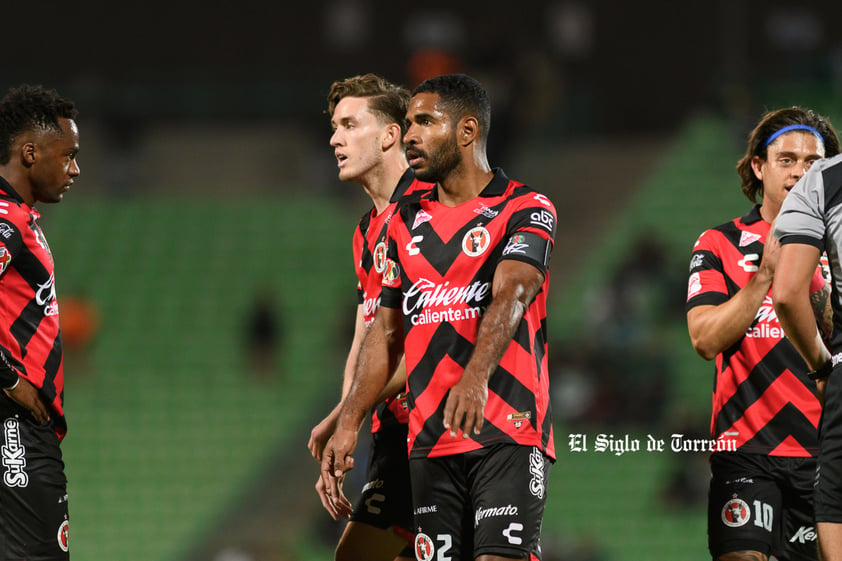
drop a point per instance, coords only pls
(11, 243)
(801, 219)
(390, 292)
(531, 231)
(707, 284)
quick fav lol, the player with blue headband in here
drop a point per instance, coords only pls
(765, 408)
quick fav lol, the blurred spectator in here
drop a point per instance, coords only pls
(263, 334)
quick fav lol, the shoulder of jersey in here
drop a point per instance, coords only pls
(11, 211)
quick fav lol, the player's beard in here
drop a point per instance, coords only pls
(441, 163)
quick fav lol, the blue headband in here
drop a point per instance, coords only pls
(793, 128)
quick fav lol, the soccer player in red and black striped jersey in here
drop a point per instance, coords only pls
(765, 408)
(39, 141)
(368, 120)
(464, 297)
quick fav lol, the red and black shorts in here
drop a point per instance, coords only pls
(486, 502)
(762, 503)
(33, 488)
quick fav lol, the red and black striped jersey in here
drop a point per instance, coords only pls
(439, 270)
(370, 257)
(30, 338)
(763, 401)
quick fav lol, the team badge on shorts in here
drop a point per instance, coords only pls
(62, 536)
(735, 513)
(476, 241)
(424, 547)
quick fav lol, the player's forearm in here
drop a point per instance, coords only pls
(396, 384)
(497, 328)
(378, 358)
(799, 324)
(715, 328)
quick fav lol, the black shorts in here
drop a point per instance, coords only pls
(486, 502)
(828, 491)
(33, 491)
(386, 499)
(762, 503)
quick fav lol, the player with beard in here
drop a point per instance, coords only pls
(367, 118)
(464, 297)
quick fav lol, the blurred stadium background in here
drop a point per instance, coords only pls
(208, 202)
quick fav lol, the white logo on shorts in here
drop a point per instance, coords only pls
(14, 456)
(536, 468)
(509, 533)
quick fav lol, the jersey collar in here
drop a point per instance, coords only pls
(752, 216)
(495, 188)
(403, 184)
(9, 190)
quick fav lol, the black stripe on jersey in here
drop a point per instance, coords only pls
(832, 181)
(761, 377)
(27, 323)
(51, 365)
(788, 421)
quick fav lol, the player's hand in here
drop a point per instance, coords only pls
(465, 406)
(320, 435)
(26, 395)
(336, 460)
(771, 251)
(335, 508)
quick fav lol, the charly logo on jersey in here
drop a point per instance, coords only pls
(424, 547)
(536, 468)
(5, 259)
(543, 218)
(747, 238)
(476, 241)
(14, 456)
(379, 257)
(517, 419)
(735, 513)
(420, 218)
(748, 262)
(46, 296)
(542, 199)
(411, 248)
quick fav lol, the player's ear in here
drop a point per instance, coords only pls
(757, 167)
(392, 136)
(468, 130)
(28, 153)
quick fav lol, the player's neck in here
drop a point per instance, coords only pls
(464, 183)
(19, 183)
(380, 183)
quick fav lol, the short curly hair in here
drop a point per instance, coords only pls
(29, 107)
(770, 123)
